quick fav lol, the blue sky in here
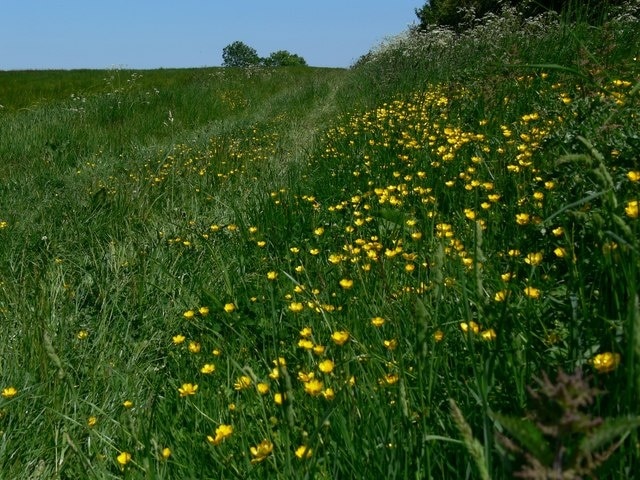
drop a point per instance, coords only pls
(66, 34)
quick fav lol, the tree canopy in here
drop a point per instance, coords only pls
(458, 13)
(239, 54)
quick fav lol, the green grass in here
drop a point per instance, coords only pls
(470, 231)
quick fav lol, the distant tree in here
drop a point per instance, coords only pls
(239, 54)
(283, 58)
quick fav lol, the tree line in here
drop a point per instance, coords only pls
(239, 54)
(458, 14)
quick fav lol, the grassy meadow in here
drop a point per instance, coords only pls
(426, 266)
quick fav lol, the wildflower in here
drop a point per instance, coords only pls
(242, 383)
(92, 421)
(390, 379)
(127, 404)
(438, 335)
(631, 209)
(82, 334)
(261, 451)
(194, 347)
(189, 314)
(306, 332)
(229, 307)
(296, 307)
(606, 362)
(222, 432)
(471, 326)
(166, 453)
(318, 349)
(557, 232)
(279, 398)
(390, 344)
(533, 259)
(532, 292)
(346, 283)
(9, 392)
(560, 252)
(305, 343)
(326, 366)
(123, 458)
(318, 231)
(500, 296)
(303, 452)
(633, 176)
(178, 339)
(261, 243)
(208, 368)
(272, 275)
(489, 334)
(522, 218)
(187, 389)
(203, 311)
(377, 321)
(313, 387)
(329, 394)
(340, 337)
(263, 388)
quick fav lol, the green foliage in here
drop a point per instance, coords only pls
(239, 54)
(283, 58)
(288, 273)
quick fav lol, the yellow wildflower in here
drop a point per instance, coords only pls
(261, 451)
(178, 339)
(631, 209)
(9, 392)
(606, 362)
(326, 366)
(242, 383)
(377, 321)
(313, 387)
(346, 283)
(123, 458)
(229, 307)
(532, 292)
(222, 432)
(187, 389)
(208, 368)
(166, 453)
(303, 452)
(340, 337)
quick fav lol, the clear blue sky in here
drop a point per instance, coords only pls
(67, 34)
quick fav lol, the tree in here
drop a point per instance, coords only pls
(239, 54)
(283, 58)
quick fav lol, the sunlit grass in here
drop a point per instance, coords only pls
(287, 288)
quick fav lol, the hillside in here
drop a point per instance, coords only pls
(425, 266)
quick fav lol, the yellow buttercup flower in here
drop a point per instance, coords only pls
(9, 392)
(340, 337)
(187, 389)
(303, 452)
(326, 366)
(632, 209)
(346, 283)
(261, 451)
(123, 458)
(242, 383)
(208, 368)
(166, 453)
(606, 362)
(229, 307)
(313, 387)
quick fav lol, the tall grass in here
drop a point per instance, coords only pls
(328, 274)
